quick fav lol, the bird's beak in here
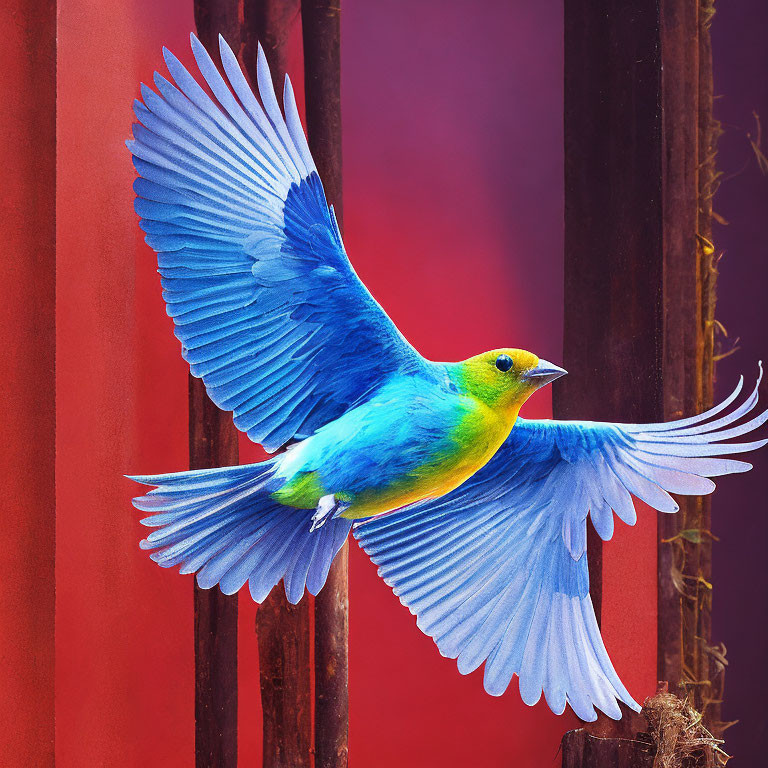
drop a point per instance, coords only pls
(544, 373)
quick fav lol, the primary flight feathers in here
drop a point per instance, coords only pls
(230, 199)
(483, 531)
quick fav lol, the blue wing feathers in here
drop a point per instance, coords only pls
(271, 315)
(495, 571)
(231, 201)
(223, 525)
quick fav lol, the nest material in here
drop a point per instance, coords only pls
(679, 735)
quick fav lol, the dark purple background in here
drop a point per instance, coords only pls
(739, 510)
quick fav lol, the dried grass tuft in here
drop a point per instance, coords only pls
(680, 737)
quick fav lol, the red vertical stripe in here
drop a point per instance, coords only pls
(124, 659)
(27, 293)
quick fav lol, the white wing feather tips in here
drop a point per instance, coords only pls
(295, 128)
(452, 561)
(271, 107)
(653, 460)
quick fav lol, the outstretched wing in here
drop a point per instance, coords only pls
(495, 572)
(267, 307)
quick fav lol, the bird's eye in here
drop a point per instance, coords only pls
(504, 363)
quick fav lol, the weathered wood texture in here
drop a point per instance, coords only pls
(709, 664)
(283, 629)
(613, 220)
(322, 93)
(218, 17)
(667, 734)
(582, 749)
(284, 669)
(689, 136)
(639, 277)
(213, 443)
(27, 403)
(269, 22)
(621, 743)
(321, 26)
(679, 41)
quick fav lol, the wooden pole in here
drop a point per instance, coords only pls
(639, 282)
(27, 402)
(286, 686)
(214, 18)
(710, 666)
(682, 301)
(690, 137)
(613, 248)
(269, 22)
(283, 629)
(322, 88)
(213, 443)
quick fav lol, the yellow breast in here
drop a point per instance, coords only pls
(480, 433)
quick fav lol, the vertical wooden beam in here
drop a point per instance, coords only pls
(286, 686)
(27, 402)
(639, 280)
(584, 750)
(218, 17)
(283, 629)
(269, 22)
(213, 443)
(613, 220)
(682, 302)
(711, 696)
(690, 135)
(321, 24)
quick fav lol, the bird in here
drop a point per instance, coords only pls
(476, 517)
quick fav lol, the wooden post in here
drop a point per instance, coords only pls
(283, 629)
(322, 88)
(269, 22)
(639, 282)
(613, 234)
(213, 443)
(690, 135)
(708, 666)
(27, 403)
(214, 18)
(585, 749)
(682, 351)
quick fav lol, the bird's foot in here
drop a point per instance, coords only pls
(328, 508)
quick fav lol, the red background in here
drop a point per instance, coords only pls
(453, 217)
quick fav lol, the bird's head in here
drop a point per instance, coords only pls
(505, 378)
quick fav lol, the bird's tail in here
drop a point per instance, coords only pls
(223, 525)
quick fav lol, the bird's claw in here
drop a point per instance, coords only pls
(328, 508)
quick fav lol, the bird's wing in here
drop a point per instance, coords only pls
(269, 311)
(495, 571)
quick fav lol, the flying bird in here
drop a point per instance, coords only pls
(475, 517)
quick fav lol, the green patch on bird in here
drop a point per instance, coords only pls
(302, 491)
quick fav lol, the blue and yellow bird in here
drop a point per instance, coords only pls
(475, 517)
